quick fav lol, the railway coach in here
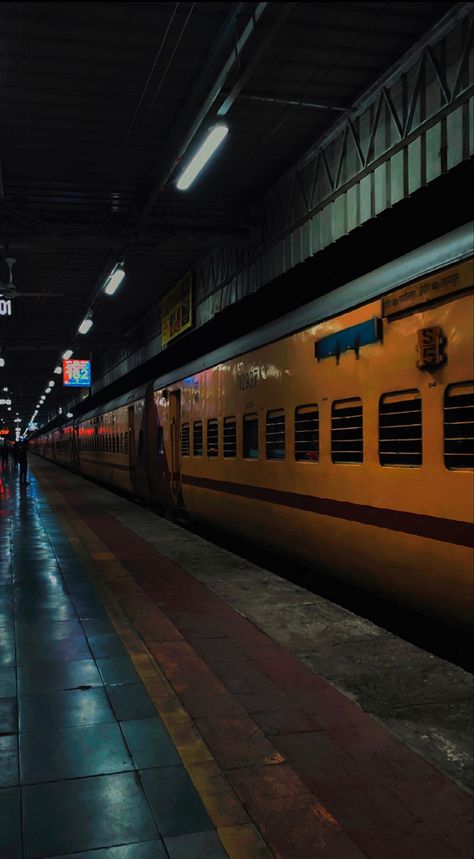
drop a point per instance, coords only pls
(340, 436)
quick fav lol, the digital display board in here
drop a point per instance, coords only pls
(76, 373)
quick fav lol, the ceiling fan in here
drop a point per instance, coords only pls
(9, 290)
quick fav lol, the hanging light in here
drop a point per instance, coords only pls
(114, 281)
(212, 142)
(85, 325)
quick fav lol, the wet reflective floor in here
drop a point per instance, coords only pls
(149, 708)
(87, 767)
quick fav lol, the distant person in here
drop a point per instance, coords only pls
(5, 452)
(15, 453)
(23, 461)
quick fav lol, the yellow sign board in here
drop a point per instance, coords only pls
(435, 287)
(176, 310)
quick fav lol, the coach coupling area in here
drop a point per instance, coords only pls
(159, 699)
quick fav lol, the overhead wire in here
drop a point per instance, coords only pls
(167, 67)
(150, 74)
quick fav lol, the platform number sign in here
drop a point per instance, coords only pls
(77, 373)
(5, 307)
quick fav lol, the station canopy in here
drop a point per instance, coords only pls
(103, 103)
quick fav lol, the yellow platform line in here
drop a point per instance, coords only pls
(239, 836)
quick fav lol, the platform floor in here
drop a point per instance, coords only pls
(143, 717)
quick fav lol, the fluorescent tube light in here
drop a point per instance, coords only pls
(67, 354)
(204, 153)
(114, 281)
(85, 326)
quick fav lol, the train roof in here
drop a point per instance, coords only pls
(442, 252)
(445, 251)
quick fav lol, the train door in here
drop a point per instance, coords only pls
(175, 433)
(131, 441)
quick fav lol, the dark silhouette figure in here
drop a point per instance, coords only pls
(5, 451)
(23, 460)
(15, 454)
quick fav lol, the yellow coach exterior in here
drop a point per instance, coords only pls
(420, 571)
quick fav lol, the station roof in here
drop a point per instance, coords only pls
(99, 103)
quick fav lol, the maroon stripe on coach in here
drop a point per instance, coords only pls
(434, 527)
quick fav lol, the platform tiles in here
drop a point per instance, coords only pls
(142, 716)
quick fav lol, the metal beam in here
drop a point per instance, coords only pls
(185, 130)
(285, 10)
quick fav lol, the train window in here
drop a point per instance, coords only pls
(400, 429)
(159, 440)
(212, 438)
(197, 438)
(185, 446)
(459, 426)
(230, 437)
(307, 433)
(347, 443)
(275, 434)
(125, 439)
(250, 437)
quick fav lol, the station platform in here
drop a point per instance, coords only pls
(142, 716)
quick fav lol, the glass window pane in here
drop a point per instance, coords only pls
(459, 426)
(400, 429)
(230, 437)
(250, 437)
(275, 434)
(307, 433)
(347, 442)
(185, 440)
(197, 438)
(212, 438)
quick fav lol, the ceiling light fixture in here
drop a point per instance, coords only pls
(51, 383)
(212, 142)
(2, 362)
(58, 370)
(114, 281)
(67, 354)
(85, 326)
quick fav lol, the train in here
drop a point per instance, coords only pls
(340, 436)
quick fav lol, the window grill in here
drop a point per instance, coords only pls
(230, 437)
(307, 433)
(250, 437)
(185, 447)
(212, 438)
(347, 442)
(400, 429)
(197, 438)
(275, 434)
(459, 426)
